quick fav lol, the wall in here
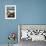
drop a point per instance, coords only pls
(27, 12)
(6, 26)
(31, 11)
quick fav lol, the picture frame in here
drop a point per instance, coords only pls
(10, 11)
(36, 32)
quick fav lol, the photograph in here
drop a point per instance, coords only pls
(10, 11)
(28, 33)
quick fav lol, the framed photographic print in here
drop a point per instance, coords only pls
(33, 32)
(10, 11)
